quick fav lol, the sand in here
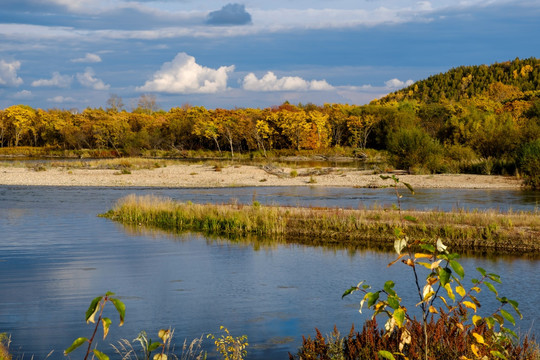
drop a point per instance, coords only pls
(196, 175)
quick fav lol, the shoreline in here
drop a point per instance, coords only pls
(207, 176)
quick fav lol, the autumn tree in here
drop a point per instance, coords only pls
(204, 125)
(19, 120)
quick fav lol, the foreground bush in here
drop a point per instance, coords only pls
(528, 162)
(448, 341)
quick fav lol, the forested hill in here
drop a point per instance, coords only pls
(465, 82)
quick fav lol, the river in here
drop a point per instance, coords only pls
(56, 255)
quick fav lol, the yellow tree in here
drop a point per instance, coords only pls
(360, 127)
(19, 119)
(321, 127)
(204, 125)
(294, 126)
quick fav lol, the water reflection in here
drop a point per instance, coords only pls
(56, 255)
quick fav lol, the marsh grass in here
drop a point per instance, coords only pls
(192, 351)
(477, 231)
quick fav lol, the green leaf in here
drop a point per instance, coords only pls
(389, 287)
(491, 287)
(386, 354)
(498, 354)
(508, 316)
(409, 187)
(78, 342)
(92, 308)
(515, 306)
(509, 331)
(384, 177)
(444, 275)
(481, 271)
(372, 298)
(490, 322)
(100, 355)
(153, 346)
(428, 247)
(494, 277)
(393, 302)
(109, 293)
(121, 308)
(475, 281)
(349, 291)
(410, 218)
(399, 316)
(499, 319)
(457, 268)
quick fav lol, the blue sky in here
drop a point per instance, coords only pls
(76, 53)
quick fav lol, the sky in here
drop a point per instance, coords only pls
(74, 54)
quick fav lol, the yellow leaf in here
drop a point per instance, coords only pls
(450, 292)
(164, 334)
(476, 319)
(399, 257)
(433, 310)
(420, 256)
(474, 349)
(463, 357)
(460, 290)
(476, 288)
(435, 265)
(460, 326)
(479, 338)
(470, 305)
(424, 264)
(428, 292)
(92, 317)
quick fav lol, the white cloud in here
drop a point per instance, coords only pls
(88, 58)
(61, 99)
(62, 81)
(270, 82)
(397, 84)
(24, 94)
(184, 76)
(87, 79)
(8, 73)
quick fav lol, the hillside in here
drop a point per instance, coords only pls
(465, 82)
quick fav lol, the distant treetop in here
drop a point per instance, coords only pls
(512, 78)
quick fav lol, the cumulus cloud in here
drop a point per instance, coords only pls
(230, 14)
(88, 58)
(270, 82)
(62, 81)
(184, 76)
(88, 80)
(397, 84)
(8, 73)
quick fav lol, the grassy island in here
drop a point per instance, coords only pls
(470, 231)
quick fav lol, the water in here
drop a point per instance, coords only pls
(56, 255)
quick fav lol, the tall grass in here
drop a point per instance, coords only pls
(480, 231)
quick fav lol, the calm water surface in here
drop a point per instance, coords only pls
(56, 255)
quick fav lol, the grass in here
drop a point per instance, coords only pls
(470, 231)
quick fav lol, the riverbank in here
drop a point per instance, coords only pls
(477, 232)
(208, 175)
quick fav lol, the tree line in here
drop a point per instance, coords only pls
(444, 136)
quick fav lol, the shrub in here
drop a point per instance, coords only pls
(414, 148)
(528, 163)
